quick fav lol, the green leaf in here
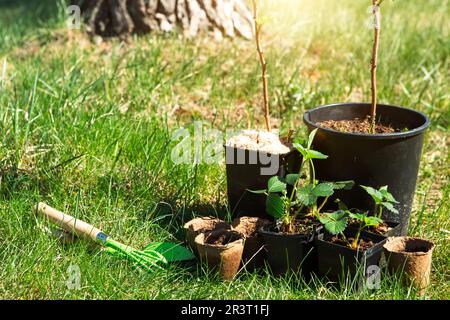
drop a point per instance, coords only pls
(372, 221)
(324, 189)
(292, 178)
(275, 205)
(335, 222)
(389, 206)
(301, 149)
(173, 252)
(345, 185)
(374, 193)
(387, 195)
(357, 216)
(276, 185)
(258, 191)
(306, 196)
(311, 138)
(313, 154)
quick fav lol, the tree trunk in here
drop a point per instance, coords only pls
(109, 18)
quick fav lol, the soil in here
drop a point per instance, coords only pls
(304, 226)
(222, 237)
(363, 244)
(380, 229)
(356, 126)
(259, 141)
(249, 226)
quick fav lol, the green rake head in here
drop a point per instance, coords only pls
(153, 256)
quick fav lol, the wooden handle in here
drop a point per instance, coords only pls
(70, 224)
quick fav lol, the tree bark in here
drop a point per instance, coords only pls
(109, 18)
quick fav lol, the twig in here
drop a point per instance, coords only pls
(263, 65)
(374, 61)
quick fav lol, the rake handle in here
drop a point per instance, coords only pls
(69, 223)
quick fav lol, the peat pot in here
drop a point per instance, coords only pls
(411, 257)
(223, 256)
(375, 160)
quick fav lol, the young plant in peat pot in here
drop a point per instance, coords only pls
(254, 156)
(372, 144)
(342, 251)
(294, 202)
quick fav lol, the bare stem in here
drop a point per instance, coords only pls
(374, 61)
(263, 65)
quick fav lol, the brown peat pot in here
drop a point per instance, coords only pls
(223, 256)
(375, 160)
(198, 225)
(411, 257)
(254, 254)
(337, 262)
(290, 252)
(244, 172)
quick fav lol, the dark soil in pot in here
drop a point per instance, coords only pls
(254, 253)
(411, 257)
(221, 250)
(387, 229)
(375, 160)
(337, 261)
(250, 168)
(291, 252)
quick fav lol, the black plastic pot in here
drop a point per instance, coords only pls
(336, 262)
(290, 252)
(371, 159)
(244, 173)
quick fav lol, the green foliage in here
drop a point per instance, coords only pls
(275, 185)
(335, 222)
(381, 198)
(275, 205)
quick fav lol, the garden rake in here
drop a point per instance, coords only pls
(152, 257)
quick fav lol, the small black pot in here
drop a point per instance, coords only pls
(371, 159)
(336, 262)
(290, 252)
(244, 173)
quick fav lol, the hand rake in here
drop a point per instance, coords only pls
(152, 257)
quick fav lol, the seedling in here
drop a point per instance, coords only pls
(302, 200)
(336, 223)
(262, 59)
(373, 62)
(382, 199)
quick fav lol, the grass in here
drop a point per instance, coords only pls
(86, 126)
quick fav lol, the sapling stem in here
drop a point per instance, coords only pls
(262, 59)
(374, 61)
(322, 205)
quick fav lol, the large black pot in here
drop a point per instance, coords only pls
(290, 252)
(244, 173)
(371, 159)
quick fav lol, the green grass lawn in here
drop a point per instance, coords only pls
(86, 127)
